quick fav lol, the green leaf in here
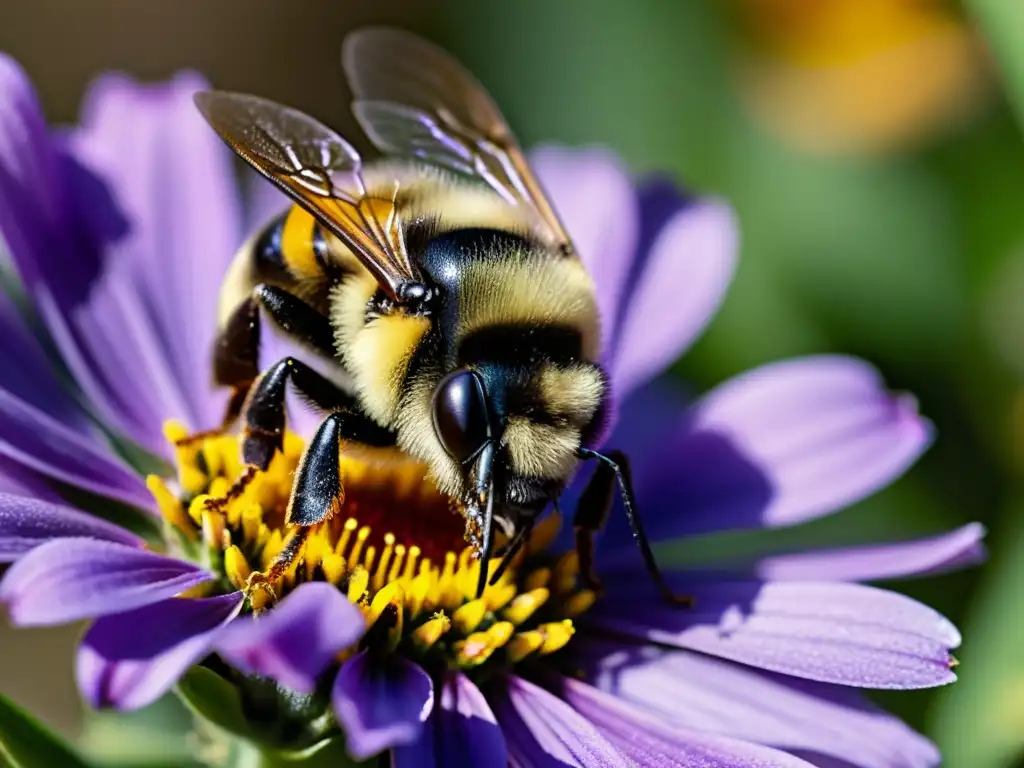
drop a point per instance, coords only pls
(1003, 25)
(212, 697)
(26, 743)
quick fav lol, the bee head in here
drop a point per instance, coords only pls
(515, 433)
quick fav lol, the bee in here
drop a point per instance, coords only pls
(459, 323)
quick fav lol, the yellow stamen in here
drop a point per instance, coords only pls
(236, 567)
(170, 507)
(426, 605)
(524, 644)
(556, 635)
(538, 578)
(346, 534)
(525, 604)
(334, 567)
(500, 632)
(251, 518)
(544, 533)
(214, 529)
(468, 617)
(195, 509)
(498, 597)
(396, 564)
(391, 595)
(358, 581)
(427, 634)
(579, 603)
(410, 562)
(566, 571)
(357, 548)
(380, 574)
(474, 650)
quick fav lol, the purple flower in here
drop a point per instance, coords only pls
(121, 229)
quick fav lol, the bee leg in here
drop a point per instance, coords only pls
(299, 320)
(318, 492)
(615, 467)
(590, 516)
(512, 550)
(265, 408)
(237, 349)
(265, 416)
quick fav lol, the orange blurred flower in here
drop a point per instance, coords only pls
(860, 75)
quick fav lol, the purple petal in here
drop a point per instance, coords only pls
(595, 200)
(296, 641)
(381, 703)
(688, 690)
(25, 523)
(37, 440)
(647, 741)
(32, 213)
(131, 659)
(461, 732)
(175, 181)
(124, 248)
(847, 634)
(24, 369)
(18, 480)
(955, 549)
(782, 444)
(680, 288)
(543, 731)
(70, 579)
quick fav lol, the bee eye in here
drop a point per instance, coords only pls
(460, 414)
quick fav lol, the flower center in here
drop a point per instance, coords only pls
(395, 548)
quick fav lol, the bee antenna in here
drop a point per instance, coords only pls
(617, 463)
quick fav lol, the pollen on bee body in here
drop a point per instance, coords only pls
(394, 547)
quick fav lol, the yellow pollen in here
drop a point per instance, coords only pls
(427, 634)
(424, 606)
(357, 584)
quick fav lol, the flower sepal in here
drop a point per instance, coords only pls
(327, 753)
(259, 711)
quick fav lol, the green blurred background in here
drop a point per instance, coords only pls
(871, 150)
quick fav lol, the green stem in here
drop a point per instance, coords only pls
(1003, 25)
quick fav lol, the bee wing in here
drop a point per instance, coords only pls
(414, 100)
(320, 171)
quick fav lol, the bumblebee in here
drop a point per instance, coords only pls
(459, 324)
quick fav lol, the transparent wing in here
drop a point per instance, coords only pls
(414, 100)
(320, 171)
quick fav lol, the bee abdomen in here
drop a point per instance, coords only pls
(292, 247)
